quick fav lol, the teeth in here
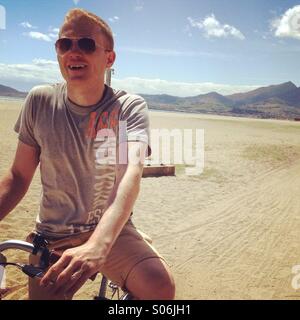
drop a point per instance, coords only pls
(75, 66)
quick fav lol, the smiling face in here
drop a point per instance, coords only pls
(77, 67)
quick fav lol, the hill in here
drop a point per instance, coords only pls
(10, 92)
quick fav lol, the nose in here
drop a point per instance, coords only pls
(74, 47)
(74, 51)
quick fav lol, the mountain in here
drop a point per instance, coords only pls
(10, 92)
(264, 93)
(280, 101)
(211, 97)
(162, 98)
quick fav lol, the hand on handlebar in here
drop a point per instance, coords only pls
(72, 270)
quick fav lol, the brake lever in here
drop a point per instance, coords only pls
(32, 271)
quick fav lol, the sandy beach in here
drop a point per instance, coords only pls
(230, 233)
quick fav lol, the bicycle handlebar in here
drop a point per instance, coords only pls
(33, 271)
(30, 270)
(16, 244)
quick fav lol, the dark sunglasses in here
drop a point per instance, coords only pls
(86, 45)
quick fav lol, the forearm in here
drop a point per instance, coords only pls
(116, 215)
(12, 190)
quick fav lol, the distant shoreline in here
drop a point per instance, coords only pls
(220, 116)
(11, 98)
(182, 113)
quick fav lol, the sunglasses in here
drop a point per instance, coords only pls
(86, 45)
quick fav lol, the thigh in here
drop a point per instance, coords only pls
(131, 247)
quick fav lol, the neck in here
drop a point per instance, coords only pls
(85, 96)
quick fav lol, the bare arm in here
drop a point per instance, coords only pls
(15, 183)
(120, 202)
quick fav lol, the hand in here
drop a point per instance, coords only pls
(72, 270)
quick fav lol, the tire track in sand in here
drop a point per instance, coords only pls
(248, 247)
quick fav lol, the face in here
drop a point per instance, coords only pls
(79, 68)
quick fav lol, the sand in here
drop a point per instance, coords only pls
(230, 233)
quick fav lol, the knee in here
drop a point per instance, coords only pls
(165, 286)
(151, 280)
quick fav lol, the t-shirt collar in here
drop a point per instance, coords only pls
(86, 110)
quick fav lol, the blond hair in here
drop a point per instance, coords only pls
(75, 14)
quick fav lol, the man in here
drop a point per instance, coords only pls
(72, 129)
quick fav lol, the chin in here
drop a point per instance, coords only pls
(76, 79)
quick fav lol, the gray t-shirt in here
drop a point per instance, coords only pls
(79, 147)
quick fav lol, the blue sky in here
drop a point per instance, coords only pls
(178, 47)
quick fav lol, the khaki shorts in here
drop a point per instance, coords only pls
(131, 247)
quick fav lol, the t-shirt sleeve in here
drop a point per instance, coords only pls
(135, 118)
(25, 123)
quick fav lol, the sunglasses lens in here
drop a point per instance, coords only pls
(87, 45)
(63, 45)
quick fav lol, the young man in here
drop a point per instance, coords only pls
(74, 130)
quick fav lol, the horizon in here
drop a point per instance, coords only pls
(193, 48)
(163, 94)
(159, 94)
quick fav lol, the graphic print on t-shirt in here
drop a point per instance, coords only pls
(103, 131)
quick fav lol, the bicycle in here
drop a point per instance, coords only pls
(47, 257)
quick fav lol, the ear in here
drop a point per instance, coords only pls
(111, 57)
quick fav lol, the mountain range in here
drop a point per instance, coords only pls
(280, 101)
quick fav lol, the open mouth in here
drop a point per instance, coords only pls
(77, 66)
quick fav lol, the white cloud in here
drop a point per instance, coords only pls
(45, 63)
(53, 32)
(38, 36)
(181, 89)
(48, 37)
(39, 71)
(53, 35)
(114, 19)
(27, 25)
(288, 25)
(56, 30)
(211, 27)
(24, 76)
